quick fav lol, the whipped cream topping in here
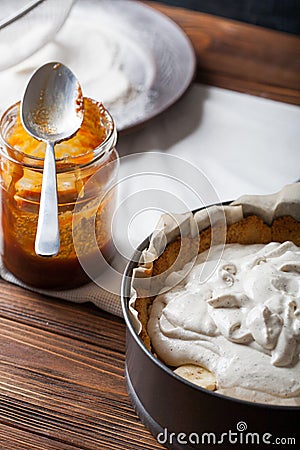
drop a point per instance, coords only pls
(243, 324)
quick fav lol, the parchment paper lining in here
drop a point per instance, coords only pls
(189, 225)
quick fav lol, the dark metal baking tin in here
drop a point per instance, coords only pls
(178, 412)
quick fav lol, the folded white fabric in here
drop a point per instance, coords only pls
(234, 142)
(233, 169)
(109, 301)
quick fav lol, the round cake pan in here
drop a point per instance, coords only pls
(181, 415)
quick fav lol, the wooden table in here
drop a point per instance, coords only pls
(62, 365)
(241, 57)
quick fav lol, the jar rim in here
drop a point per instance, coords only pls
(36, 162)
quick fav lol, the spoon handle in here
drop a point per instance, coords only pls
(47, 236)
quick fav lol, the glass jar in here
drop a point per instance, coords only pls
(89, 155)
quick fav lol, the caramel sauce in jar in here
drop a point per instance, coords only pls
(87, 167)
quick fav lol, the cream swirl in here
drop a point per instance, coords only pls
(243, 324)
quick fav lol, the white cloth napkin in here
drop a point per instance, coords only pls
(212, 145)
(236, 143)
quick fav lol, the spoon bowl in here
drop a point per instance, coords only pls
(51, 111)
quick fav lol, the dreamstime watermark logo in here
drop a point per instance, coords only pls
(240, 436)
(149, 186)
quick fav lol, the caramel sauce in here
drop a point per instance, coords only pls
(21, 187)
(77, 149)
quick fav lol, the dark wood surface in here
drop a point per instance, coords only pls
(62, 365)
(241, 57)
(62, 377)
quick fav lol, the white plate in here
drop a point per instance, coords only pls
(129, 56)
(155, 56)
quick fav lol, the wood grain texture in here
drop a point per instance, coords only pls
(241, 57)
(62, 377)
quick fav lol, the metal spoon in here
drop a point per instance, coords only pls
(51, 111)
